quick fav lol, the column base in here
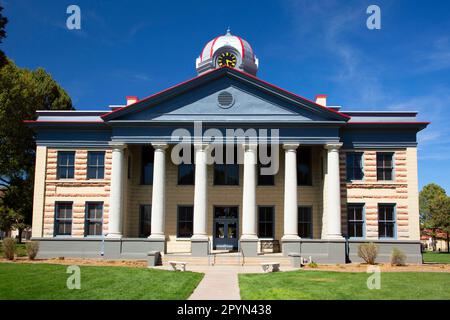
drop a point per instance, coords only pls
(199, 246)
(249, 246)
(334, 237)
(157, 243)
(114, 236)
(290, 245)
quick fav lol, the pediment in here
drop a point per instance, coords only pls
(228, 96)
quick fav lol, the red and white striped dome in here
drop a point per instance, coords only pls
(248, 61)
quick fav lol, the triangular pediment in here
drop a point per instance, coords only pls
(225, 95)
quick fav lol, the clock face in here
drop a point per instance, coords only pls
(227, 59)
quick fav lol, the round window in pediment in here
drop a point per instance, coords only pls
(225, 99)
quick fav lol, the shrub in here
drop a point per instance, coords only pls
(9, 248)
(313, 264)
(398, 258)
(32, 249)
(368, 252)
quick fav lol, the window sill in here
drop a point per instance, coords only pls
(266, 239)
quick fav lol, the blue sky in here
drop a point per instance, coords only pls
(308, 47)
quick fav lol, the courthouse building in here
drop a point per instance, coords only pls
(106, 184)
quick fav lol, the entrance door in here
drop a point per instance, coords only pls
(226, 228)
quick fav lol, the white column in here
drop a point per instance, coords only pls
(249, 218)
(333, 194)
(158, 191)
(200, 191)
(116, 192)
(290, 192)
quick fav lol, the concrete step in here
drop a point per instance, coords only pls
(226, 260)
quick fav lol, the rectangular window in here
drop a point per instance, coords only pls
(93, 219)
(66, 164)
(185, 221)
(305, 222)
(386, 220)
(355, 218)
(265, 222)
(63, 219)
(265, 179)
(227, 174)
(96, 164)
(147, 159)
(384, 165)
(354, 166)
(186, 171)
(145, 220)
(304, 170)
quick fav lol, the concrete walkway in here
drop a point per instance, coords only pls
(220, 282)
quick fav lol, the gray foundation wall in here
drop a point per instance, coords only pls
(321, 251)
(412, 250)
(126, 248)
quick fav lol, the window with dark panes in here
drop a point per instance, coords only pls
(305, 222)
(265, 222)
(355, 218)
(384, 165)
(63, 219)
(186, 171)
(94, 219)
(265, 179)
(66, 164)
(96, 164)
(386, 221)
(147, 160)
(185, 227)
(145, 220)
(304, 167)
(227, 174)
(354, 166)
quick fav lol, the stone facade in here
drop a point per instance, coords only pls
(400, 191)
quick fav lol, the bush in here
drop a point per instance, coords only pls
(368, 252)
(32, 249)
(398, 258)
(9, 248)
(313, 265)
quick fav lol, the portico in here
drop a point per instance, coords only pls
(202, 239)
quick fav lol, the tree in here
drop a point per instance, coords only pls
(3, 22)
(22, 92)
(435, 210)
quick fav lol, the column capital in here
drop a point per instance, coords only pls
(333, 146)
(250, 146)
(203, 146)
(160, 145)
(117, 146)
(290, 146)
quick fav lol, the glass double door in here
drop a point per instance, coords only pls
(226, 228)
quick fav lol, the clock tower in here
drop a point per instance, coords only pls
(227, 50)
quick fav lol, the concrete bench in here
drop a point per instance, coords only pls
(266, 265)
(181, 264)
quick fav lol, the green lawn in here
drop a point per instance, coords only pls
(46, 281)
(21, 251)
(436, 257)
(325, 285)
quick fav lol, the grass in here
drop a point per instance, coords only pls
(326, 285)
(21, 251)
(436, 257)
(46, 281)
